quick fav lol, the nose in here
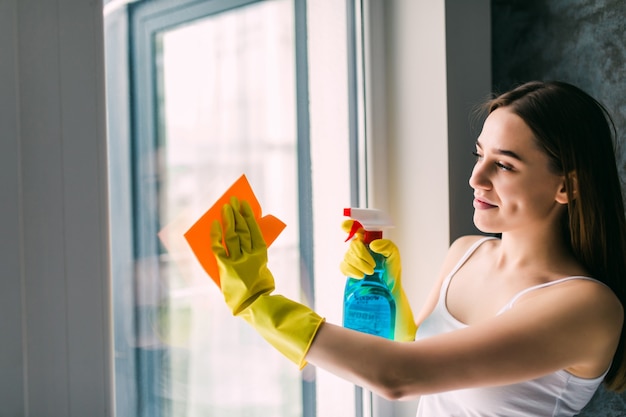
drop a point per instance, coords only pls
(480, 177)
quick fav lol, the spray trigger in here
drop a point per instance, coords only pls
(355, 228)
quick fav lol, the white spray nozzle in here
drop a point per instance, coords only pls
(370, 219)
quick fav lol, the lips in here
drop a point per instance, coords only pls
(482, 204)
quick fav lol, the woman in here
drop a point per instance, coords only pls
(526, 324)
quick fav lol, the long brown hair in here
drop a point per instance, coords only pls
(578, 135)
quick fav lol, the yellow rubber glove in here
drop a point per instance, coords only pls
(358, 262)
(247, 284)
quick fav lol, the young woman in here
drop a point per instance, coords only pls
(525, 324)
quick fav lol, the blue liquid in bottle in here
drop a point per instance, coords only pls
(368, 305)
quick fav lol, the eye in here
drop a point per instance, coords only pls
(503, 166)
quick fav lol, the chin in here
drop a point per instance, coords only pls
(485, 228)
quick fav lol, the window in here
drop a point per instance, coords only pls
(217, 89)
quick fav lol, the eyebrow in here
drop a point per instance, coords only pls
(504, 152)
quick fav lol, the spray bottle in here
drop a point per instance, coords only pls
(368, 305)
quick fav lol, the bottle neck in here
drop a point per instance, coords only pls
(369, 236)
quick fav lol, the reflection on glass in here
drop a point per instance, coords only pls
(226, 94)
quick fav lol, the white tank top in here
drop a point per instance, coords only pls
(559, 394)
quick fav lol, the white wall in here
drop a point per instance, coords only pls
(54, 299)
(419, 123)
(429, 63)
(417, 134)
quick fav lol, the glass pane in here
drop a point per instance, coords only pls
(226, 107)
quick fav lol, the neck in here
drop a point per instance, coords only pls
(544, 248)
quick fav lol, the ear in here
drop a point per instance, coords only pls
(569, 182)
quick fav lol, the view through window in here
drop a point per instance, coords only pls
(217, 89)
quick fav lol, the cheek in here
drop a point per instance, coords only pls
(538, 200)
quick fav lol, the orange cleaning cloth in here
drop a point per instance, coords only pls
(198, 235)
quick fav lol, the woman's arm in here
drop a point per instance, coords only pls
(574, 326)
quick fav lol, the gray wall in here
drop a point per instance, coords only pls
(468, 60)
(579, 41)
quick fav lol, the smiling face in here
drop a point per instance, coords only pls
(514, 189)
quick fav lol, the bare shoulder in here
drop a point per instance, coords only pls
(457, 249)
(584, 293)
(591, 298)
(463, 243)
(582, 313)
